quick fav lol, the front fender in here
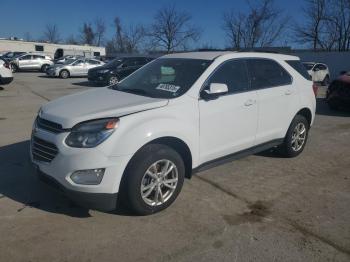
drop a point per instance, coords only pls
(138, 129)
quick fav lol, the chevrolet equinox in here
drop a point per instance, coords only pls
(179, 114)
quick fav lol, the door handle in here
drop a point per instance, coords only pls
(288, 92)
(249, 102)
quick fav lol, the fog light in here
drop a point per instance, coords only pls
(88, 177)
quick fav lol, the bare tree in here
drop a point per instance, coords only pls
(126, 39)
(172, 29)
(51, 33)
(261, 26)
(133, 38)
(311, 31)
(338, 24)
(119, 38)
(87, 34)
(100, 30)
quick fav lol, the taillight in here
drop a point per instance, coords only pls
(315, 88)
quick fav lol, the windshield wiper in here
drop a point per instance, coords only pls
(135, 91)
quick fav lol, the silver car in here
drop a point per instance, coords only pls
(31, 61)
(73, 67)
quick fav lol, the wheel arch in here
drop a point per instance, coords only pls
(305, 112)
(179, 146)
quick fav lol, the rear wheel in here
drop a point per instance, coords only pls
(296, 137)
(64, 74)
(153, 179)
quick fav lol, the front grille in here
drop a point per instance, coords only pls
(42, 150)
(49, 126)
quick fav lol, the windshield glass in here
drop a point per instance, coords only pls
(164, 78)
(308, 66)
(115, 62)
(68, 61)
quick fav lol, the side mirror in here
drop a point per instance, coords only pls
(215, 90)
(124, 65)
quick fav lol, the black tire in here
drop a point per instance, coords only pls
(44, 68)
(14, 68)
(288, 149)
(130, 194)
(113, 80)
(64, 74)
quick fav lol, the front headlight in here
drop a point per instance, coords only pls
(103, 71)
(92, 133)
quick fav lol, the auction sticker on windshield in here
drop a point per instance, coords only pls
(168, 87)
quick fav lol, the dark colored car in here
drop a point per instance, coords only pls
(338, 93)
(9, 56)
(114, 71)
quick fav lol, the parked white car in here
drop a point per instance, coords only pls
(178, 114)
(31, 61)
(73, 67)
(319, 72)
(6, 76)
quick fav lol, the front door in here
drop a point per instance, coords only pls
(228, 124)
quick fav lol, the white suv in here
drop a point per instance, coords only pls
(31, 61)
(180, 113)
(5, 72)
(319, 72)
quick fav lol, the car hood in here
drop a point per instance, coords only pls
(97, 103)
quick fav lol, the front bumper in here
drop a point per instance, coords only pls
(5, 80)
(68, 160)
(99, 78)
(51, 72)
(98, 201)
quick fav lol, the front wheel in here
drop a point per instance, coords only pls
(64, 74)
(153, 179)
(14, 68)
(44, 68)
(296, 137)
(113, 80)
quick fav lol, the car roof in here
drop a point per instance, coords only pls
(229, 54)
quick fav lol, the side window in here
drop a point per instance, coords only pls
(322, 67)
(266, 73)
(26, 57)
(38, 57)
(232, 73)
(299, 68)
(78, 62)
(130, 62)
(93, 62)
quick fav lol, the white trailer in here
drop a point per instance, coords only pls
(53, 50)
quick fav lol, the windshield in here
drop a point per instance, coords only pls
(68, 61)
(115, 62)
(164, 78)
(308, 66)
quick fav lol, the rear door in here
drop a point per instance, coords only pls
(274, 95)
(228, 124)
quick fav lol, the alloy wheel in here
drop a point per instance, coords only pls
(159, 182)
(298, 137)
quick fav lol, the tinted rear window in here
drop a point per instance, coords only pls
(267, 73)
(300, 68)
